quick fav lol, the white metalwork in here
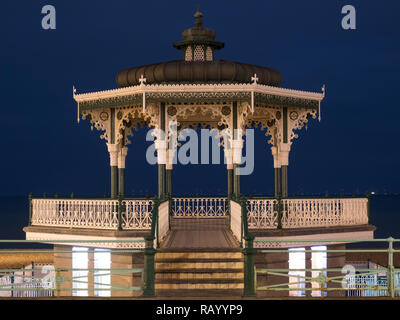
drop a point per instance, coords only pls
(199, 207)
(25, 283)
(91, 214)
(369, 285)
(136, 214)
(254, 79)
(142, 80)
(32, 289)
(262, 214)
(202, 88)
(163, 219)
(304, 213)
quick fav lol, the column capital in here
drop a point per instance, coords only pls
(121, 157)
(275, 154)
(284, 149)
(113, 149)
(281, 154)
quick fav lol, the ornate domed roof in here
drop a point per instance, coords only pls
(198, 65)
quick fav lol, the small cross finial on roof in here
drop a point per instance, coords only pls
(323, 89)
(142, 80)
(254, 79)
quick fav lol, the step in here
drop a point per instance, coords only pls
(210, 264)
(199, 255)
(202, 286)
(200, 274)
(192, 260)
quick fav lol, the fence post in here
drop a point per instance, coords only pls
(390, 272)
(12, 284)
(156, 206)
(279, 204)
(119, 212)
(249, 269)
(148, 272)
(58, 283)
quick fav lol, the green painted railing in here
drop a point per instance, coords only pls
(149, 254)
(150, 251)
(55, 281)
(107, 214)
(323, 280)
(248, 250)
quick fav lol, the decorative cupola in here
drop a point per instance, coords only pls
(198, 43)
(199, 64)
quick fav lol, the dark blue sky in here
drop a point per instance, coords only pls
(354, 148)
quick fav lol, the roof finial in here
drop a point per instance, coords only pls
(198, 15)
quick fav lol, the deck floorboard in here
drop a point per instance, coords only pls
(199, 234)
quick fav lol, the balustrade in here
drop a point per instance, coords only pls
(91, 214)
(199, 207)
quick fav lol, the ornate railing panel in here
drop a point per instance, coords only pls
(136, 214)
(303, 213)
(327, 276)
(91, 214)
(366, 285)
(199, 207)
(262, 214)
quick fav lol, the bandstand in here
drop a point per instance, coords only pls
(197, 246)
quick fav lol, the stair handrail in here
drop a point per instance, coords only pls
(248, 250)
(149, 253)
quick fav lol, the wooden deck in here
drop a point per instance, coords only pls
(200, 233)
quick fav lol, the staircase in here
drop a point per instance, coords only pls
(199, 257)
(197, 272)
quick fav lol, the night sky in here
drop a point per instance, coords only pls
(354, 148)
